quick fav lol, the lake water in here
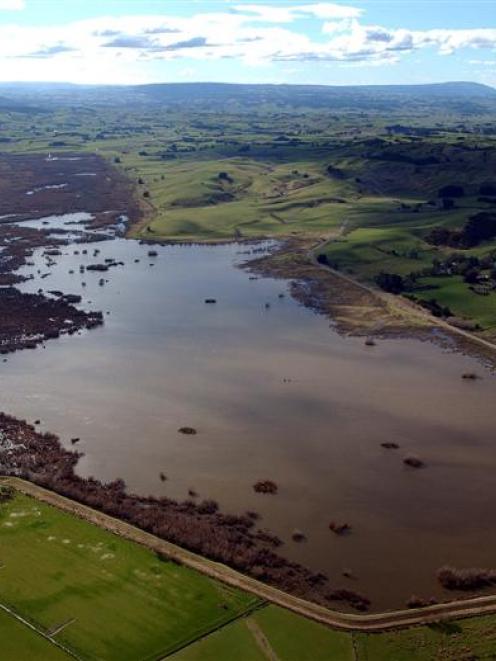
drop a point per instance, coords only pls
(274, 393)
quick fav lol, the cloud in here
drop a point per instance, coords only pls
(50, 51)
(266, 13)
(131, 41)
(321, 10)
(106, 33)
(253, 33)
(194, 42)
(485, 63)
(161, 29)
(12, 5)
(328, 10)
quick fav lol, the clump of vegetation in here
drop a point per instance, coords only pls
(478, 228)
(466, 579)
(6, 493)
(451, 190)
(268, 538)
(390, 282)
(334, 172)
(356, 600)
(339, 528)
(189, 431)
(470, 376)
(298, 536)
(414, 462)
(419, 602)
(265, 486)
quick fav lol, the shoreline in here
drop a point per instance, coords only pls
(356, 309)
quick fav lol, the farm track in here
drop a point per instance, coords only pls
(344, 621)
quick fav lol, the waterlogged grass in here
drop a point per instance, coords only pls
(117, 599)
(18, 642)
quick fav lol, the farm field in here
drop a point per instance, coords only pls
(151, 606)
(272, 630)
(291, 638)
(453, 641)
(20, 642)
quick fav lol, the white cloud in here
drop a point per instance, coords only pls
(255, 34)
(12, 5)
(485, 63)
(328, 10)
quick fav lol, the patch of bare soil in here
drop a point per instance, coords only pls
(353, 309)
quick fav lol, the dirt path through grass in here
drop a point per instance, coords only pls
(261, 640)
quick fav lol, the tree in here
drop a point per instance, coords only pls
(452, 190)
(390, 282)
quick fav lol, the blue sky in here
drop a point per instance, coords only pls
(362, 42)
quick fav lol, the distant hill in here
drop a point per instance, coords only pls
(456, 96)
(450, 89)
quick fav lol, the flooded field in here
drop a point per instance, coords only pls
(274, 393)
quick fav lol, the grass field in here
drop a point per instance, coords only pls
(18, 642)
(116, 599)
(466, 640)
(290, 637)
(455, 293)
(260, 198)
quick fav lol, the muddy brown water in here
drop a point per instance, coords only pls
(274, 394)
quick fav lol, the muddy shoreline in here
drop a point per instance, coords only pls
(351, 310)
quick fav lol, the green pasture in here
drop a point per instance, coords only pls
(109, 598)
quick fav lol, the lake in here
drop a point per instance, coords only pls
(275, 393)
